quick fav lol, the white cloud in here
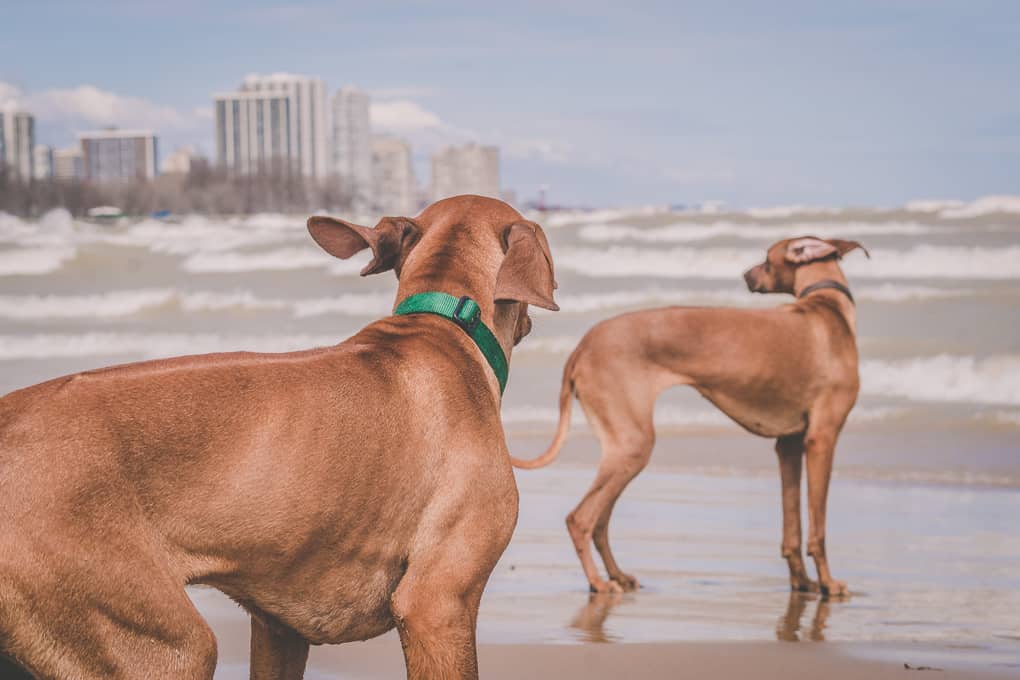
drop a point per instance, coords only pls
(549, 150)
(73, 110)
(403, 116)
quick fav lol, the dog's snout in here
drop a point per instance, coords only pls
(749, 278)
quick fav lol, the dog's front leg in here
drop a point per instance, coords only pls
(819, 450)
(437, 629)
(277, 653)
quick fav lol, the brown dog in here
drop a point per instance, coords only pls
(335, 493)
(788, 373)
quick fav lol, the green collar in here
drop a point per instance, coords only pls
(465, 313)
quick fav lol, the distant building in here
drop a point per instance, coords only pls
(179, 162)
(111, 156)
(468, 169)
(395, 188)
(275, 121)
(352, 143)
(42, 161)
(17, 139)
(68, 165)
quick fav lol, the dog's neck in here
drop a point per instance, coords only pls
(470, 270)
(817, 272)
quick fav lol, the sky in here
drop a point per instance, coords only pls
(759, 103)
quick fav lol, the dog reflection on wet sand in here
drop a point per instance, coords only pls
(789, 628)
(590, 619)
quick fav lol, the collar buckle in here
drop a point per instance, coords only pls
(467, 314)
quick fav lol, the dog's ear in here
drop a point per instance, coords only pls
(809, 249)
(526, 274)
(390, 240)
(845, 247)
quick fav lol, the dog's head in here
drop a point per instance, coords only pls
(777, 274)
(465, 245)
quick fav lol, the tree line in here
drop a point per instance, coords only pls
(205, 189)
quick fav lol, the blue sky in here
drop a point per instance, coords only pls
(754, 103)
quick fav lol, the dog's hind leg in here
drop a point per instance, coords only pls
(277, 653)
(627, 436)
(109, 608)
(790, 450)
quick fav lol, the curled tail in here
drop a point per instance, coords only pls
(566, 401)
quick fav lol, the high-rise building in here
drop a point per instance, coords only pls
(273, 122)
(395, 189)
(42, 161)
(467, 169)
(119, 155)
(68, 165)
(17, 139)
(179, 162)
(352, 143)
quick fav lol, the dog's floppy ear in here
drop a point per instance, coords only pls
(526, 274)
(809, 249)
(389, 240)
(845, 247)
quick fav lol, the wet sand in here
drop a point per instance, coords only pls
(381, 658)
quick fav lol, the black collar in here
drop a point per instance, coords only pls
(827, 283)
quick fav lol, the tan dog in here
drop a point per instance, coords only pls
(335, 493)
(788, 373)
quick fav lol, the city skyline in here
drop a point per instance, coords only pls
(870, 103)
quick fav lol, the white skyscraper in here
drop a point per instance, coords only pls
(68, 165)
(468, 169)
(42, 161)
(119, 155)
(393, 173)
(17, 140)
(279, 120)
(352, 143)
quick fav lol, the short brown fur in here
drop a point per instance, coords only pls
(335, 493)
(788, 373)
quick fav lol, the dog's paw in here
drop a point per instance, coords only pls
(804, 585)
(835, 589)
(626, 581)
(601, 586)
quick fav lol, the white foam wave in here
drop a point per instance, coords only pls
(276, 260)
(932, 205)
(945, 378)
(670, 416)
(920, 262)
(780, 211)
(129, 302)
(102, 305)
(33, 261)
(693, 232)
(149, 345)
(987, 205)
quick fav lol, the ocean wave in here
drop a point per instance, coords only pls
(34, 261)
(670, 416)
(987, 205)
(276, 260)
(693, 232)
(125, 303)
(149, 345)
(919, 262)
(945, 378)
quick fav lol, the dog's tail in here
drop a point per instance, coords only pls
(566, 400)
